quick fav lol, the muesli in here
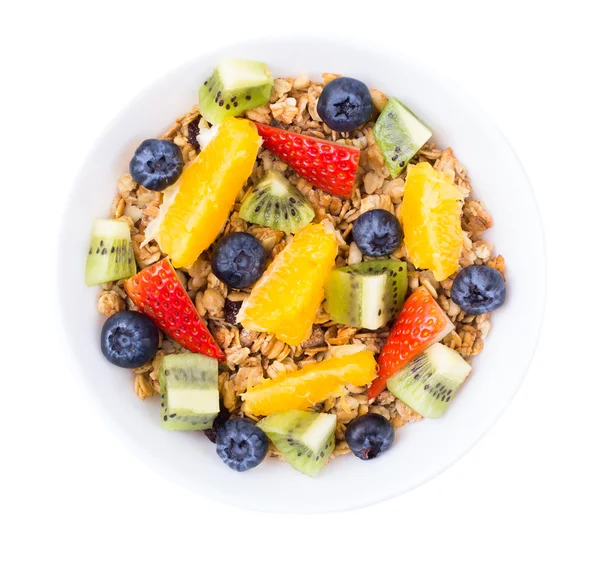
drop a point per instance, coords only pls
(295, 268)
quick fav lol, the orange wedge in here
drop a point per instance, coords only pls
(301, 389)
(207, 192)
(286, 298)
(430, 214)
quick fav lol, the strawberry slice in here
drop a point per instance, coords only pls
(326, 165)
(421, 323)
(158, 293)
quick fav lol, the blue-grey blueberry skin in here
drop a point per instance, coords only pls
(156, 164)
(369, 436)
(377, 233)
(478, 289)
(241, 444)
(238, 260)
(129, 339)
(345, 104)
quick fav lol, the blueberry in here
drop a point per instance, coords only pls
(238, 260)
(478, 289)
(241, 444)
(377, 232)
(156, 164)
(129, 339)
(345, 104)
(369, 436)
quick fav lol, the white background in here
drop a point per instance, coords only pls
(69, 490)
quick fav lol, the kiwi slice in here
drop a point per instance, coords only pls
(429, 382)
(276, 203)
(110, 256)
(305, 439)
(234, 87)
(189, 391)
(400, 135)
(366, 294)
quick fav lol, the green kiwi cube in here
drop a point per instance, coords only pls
(189, 391)
(276, 203)
(400, 134)
(429, 382)
(234, 87)
(366, 294)
(305, 439)
(110, 255)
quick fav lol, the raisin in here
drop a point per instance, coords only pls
(277, 124)
(231, 310)
(193, 131)
(220, 419)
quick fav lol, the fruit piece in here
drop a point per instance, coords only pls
(478, 289)
(189, 391)
(430, 214)
(369, 435)
(129, 339)
(110, 256)
(207, 192)
(219, 420)
(421, 323)
(231, 309)
(241, 444)
(156, 164)
(158, 293)
(193, 132)
(234, 87)
(326, 165)
(366, 294)
(286, 298)
(377, 233)
(345, 104)
(276, 203)
(301, 389)
(305, 440)
(428, 383)
(399, 135)
(238, 260)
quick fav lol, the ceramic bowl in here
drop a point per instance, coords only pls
(422, 450)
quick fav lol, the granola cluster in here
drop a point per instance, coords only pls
(251, 356)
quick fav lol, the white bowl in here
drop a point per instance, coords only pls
(421, 450)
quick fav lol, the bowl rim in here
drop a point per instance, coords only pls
(153, 461)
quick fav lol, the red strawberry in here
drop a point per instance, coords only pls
(158, 293)
(421, 323)
(326, 165)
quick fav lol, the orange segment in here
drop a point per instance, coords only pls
(430, 214)
(286, 298)
(207, 192)
(301, 389)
